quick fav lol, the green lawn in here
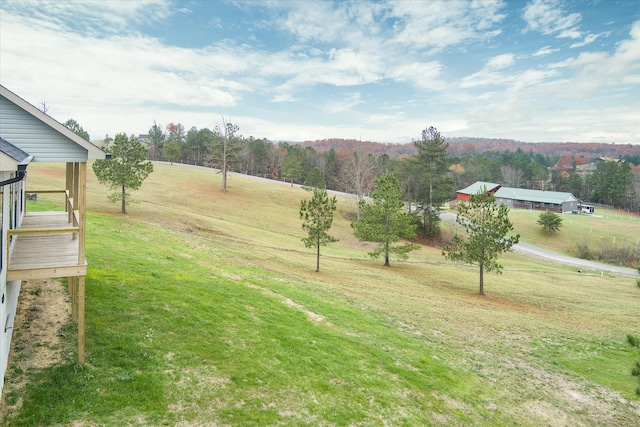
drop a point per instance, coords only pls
(203, 308)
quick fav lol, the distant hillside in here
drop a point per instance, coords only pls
(462, 145)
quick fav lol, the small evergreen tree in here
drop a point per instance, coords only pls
(75, 127)
(125, 170)
(317, 215)
(550, 221)
(172, 152)
(385, 221)
(487, 224)
(432, 167)
(314, 179)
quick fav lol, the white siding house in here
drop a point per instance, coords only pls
(29, 135)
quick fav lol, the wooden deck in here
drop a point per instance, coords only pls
(46, 248)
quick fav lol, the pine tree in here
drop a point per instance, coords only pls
(550, 221)
(432, 167)
(487, 224)
(125, 170)
(317, 215)
(385, 221)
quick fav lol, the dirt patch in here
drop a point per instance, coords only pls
(43, 309)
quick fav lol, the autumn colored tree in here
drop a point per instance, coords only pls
(317, 217)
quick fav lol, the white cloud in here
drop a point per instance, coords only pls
(92, 16)
(439, 24)
(343, 104)
(547, 50)
(376, 81)
(501, 61)
(598, 73)
(548, 17)
(423, 75)
(489, 74)
(317, 21)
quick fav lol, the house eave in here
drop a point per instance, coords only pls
(93, 151)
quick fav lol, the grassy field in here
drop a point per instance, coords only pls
(203, 308)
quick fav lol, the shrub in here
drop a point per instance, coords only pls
(638, 282)
(635, 370)
(618, 254)
(583, 251)
(550, 221)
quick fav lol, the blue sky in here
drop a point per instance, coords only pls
(535, 71)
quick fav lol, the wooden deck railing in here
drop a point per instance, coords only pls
(73, 218)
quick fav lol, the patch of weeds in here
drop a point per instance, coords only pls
(635, 371)
(583, 250)
(638, 282)
(12, 397)
(619, 254)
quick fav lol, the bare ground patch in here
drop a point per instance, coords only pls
(43, 309)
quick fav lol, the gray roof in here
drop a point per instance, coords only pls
(555, 197)
(478, 186)
(14, 152)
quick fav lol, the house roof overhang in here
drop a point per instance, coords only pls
(12, 158)
(93, 151)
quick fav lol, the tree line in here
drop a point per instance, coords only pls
(354, 167)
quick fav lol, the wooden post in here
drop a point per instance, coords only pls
(81, 319)
(68, 188)
(73, 290)
(76, 183)
(81, 206)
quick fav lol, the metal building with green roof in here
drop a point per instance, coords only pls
(523, 198)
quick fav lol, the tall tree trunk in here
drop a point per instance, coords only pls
(318, 257)
(124, 205)
(386, 255)
(224, 165)
(481, 279)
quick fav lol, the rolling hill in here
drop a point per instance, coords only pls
(203, 308)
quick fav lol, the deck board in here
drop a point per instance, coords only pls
(45, 256)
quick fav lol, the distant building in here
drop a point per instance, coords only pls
(522, 198)
(465, 194)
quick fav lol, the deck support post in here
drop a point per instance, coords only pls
(73, 291)
(81, 319)
(81, 205)
(69, 190)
